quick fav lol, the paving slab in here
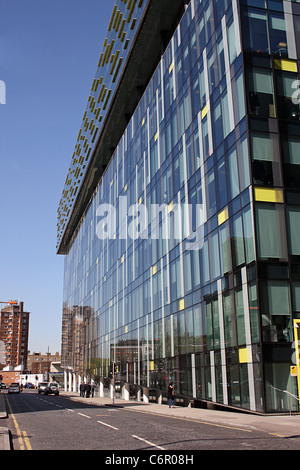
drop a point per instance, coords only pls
(4, 439)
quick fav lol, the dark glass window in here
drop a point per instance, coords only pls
(270, 231)
(218, 124)
(285, 88)
(278, 34)
(265, 159)
(291, 161)
(221, 184)
(255, 30)
(212, 206)
(260, 92)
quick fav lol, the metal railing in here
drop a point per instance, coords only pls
(289, 396)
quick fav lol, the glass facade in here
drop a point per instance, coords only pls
(216, 130)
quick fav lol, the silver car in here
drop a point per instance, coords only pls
(14, 388)
(52, 388)
(42, 387)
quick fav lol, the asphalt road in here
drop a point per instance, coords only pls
(39, 422)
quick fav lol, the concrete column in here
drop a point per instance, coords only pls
(193, 375)
(145, 394)
(74, 382)
(70, 382)
(222, 339)
(101, 387)
(111, 390)
(65, 381)
(126, 391)
(159, 397)
(249, 359)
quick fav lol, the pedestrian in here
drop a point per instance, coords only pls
(171, 395)
(88, 390)
(93, 390)
(82, 389)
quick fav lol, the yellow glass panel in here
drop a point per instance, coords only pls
(243, 356)
(181, 304)
(268, 195)
(223, 216)
(204, 111)
(287, 65)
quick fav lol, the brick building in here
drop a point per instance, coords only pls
(14, 329)
(38, 363)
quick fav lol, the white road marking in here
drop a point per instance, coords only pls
(85, 416)
(148, 442)
(108, 425)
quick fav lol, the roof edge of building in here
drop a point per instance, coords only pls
(160, 17)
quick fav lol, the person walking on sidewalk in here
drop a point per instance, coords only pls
(171, 395)
(82, 389)
(88, 390)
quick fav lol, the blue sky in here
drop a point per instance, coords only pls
(48, 58)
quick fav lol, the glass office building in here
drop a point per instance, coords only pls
(194, 117)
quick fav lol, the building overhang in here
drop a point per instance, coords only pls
(157, 26)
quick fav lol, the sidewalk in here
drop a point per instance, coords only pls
(280, 425)
(4, 432)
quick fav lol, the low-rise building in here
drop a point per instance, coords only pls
(39, 363)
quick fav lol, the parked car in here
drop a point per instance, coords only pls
(29, 385)
(42, 386)
(3, 385)
(14, 388)
(52, 388)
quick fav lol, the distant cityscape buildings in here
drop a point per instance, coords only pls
(14, 330)
(16, 361)
(38, 363)
(193, 103)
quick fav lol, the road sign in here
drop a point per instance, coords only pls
(293, 371)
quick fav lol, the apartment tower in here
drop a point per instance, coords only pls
(14, 329)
